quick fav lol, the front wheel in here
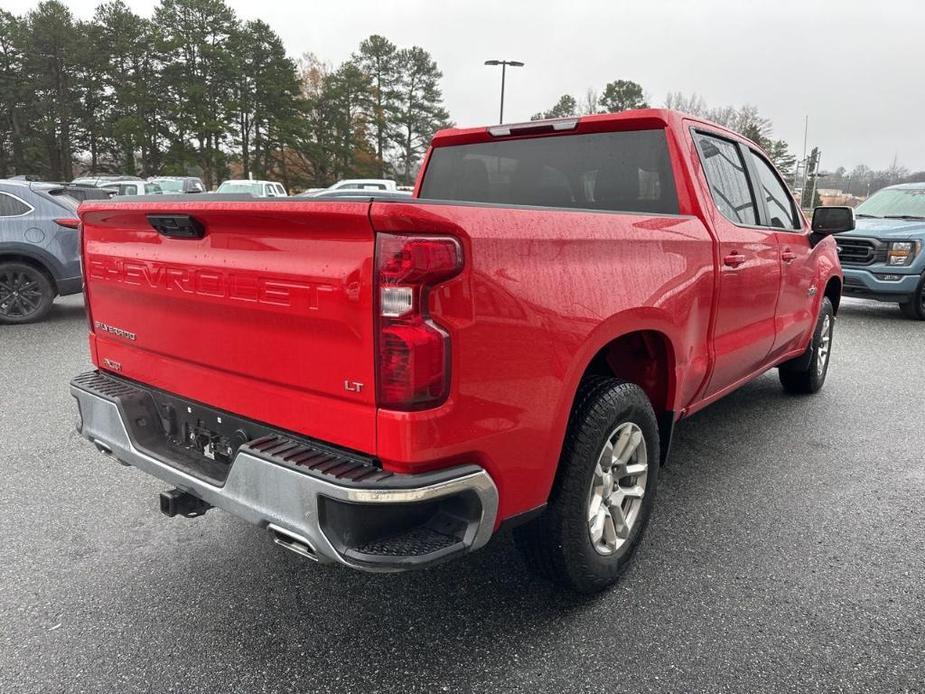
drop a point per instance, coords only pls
(806, 373)
(604, 490)
(915, 307)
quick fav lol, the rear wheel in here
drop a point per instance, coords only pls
(26, 293)
(806, 373)
(604, 491)
(915, 307)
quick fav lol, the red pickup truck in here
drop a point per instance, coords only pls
(384, 383)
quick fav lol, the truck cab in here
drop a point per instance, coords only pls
(882, 257)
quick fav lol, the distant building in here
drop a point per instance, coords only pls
(834, 196)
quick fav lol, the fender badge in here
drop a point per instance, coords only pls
(812, 291)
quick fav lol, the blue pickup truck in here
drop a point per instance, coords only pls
(883, 257)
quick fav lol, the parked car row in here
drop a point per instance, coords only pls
(173, 185)
(882, 256)
(135, 185)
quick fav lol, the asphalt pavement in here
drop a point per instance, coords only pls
(786, 553)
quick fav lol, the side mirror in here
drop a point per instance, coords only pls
(830, 220)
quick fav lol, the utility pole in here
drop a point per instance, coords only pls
(812, 198)
(805, 140)
(503, 64)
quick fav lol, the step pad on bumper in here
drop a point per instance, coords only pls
(286, 451)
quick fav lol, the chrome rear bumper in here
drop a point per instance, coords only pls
(399, 523)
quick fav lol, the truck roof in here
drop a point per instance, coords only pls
(600, 122)
(917, 185)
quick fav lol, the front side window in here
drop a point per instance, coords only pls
(725, 171)
(618, 171)
(781, 210)
(12, 207)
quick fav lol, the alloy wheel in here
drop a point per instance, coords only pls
(617, 488)
(20, 293)
(825, 345)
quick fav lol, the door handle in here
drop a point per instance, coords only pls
(788, 256)
(734, 259)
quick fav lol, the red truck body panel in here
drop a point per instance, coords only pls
(273, 311)
(527, 316)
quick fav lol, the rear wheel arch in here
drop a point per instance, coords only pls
(644, 357)
(31, 260)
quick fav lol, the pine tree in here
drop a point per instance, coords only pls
(195, 38)
(420, 109)
(50, 48)
(622, 95)
(564, 107)
(14, 96)
(378, 59)
(132, 73)
(265, 97)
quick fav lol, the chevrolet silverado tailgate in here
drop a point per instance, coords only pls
(259, 308)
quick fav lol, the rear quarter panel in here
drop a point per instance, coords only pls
(543, 291)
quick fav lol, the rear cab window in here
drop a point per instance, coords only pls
(627, 171)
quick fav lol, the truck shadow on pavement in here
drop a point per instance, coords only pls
(462, 622)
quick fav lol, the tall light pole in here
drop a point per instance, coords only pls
(503, 64)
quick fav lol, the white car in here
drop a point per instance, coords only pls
(259, 189)
(380, 185)
(134, 188)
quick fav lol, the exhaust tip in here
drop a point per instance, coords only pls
(292, 542)
(102, 447)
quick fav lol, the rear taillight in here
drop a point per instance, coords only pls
(414, 352)
(68, 222)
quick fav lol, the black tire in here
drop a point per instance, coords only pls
(915, 308)
(26, 293)
(804, 375)
(558, 545)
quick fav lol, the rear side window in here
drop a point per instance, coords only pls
(781, 212)
(623, 171)
(728, 181)
(12, 207)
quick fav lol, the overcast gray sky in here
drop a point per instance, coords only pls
(854, 66)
